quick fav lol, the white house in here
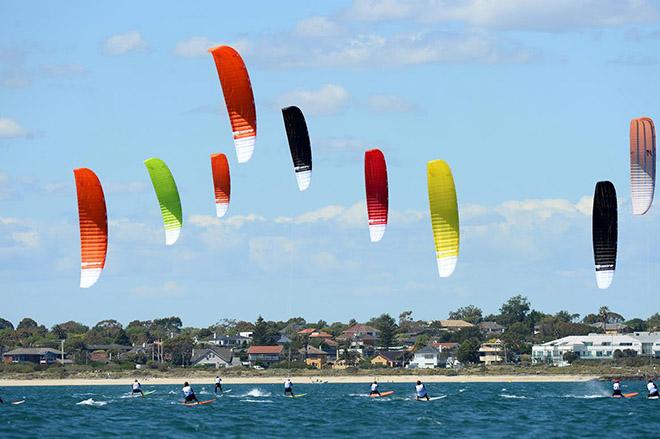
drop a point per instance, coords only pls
(596, 346)
(425, 358)
(218, 357)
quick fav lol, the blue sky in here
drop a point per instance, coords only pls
(530, 106)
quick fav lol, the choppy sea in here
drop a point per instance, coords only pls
(545, 410)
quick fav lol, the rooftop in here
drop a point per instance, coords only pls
(455, 324)
(32, 351)
(265, 350)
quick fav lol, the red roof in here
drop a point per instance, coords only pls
(306, 331)
(265, 349)
(321, 335)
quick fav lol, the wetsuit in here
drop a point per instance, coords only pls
(653, 390)
(189, 394)
(288, 388)
(616, 389)
(218, 385)
(374, 389)
(421, 392)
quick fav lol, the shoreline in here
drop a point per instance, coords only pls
(307, 379)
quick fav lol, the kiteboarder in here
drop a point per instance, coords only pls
(616, 388)
(653, 390)
(420, 391)
(189, 393)
(218, 384)
(288, 388)
(137, 388)
(374, 389)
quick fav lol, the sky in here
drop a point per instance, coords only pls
(528, 102)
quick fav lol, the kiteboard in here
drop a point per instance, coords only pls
(198, 402)
(626, 395)
(382, 394)
(433, 398)
(18, 402)
(653, 397)
(300, 395)
(149, 392)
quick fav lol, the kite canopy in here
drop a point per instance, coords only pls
(375, 181)
(239, 99)
(93, 220)
(168, 197)
(221, 183)
(444, 215)
(604, 231)
(299, 144)
(642, 164)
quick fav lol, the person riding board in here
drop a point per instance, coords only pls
(137, 388)
(374, 389)
(288, 388)
(421, 392)
(616, 388)
(218, 384)
(653, 390)
(189, 393)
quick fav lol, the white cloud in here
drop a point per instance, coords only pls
(390, 103)
(317, 26)
(541, 15)
(121, 44)
(194, 47)
(234, 221)
(326, 213)
(10, 129)
(166, 290)
(327, 100)
(28, 239)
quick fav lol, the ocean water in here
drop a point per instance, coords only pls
(333, 411)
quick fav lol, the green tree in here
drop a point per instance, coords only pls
(387, 327)
(263, 334)
(107, 332)
(606, 316)
(468, 351)
(405, 321)
(653, 322)
(469, 313)
(465, 334)
(180, 348)
(637, 325)
(514, 310)
(6, 324)
(65, 330)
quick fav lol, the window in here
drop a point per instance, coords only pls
(599, 353)
(606, 343)
(625, 344)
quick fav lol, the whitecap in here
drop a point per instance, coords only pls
(91, 402)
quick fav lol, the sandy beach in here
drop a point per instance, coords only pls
(306, 380)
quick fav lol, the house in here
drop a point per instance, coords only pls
(320, 335)
(360, 330)
(283, 339)
(216, 356)
(235, 341)
(426, 358)
(610, 328)
(314, 357)
(265, 355)
(389, 359)
(491, 352)
(104, 353)
(454, 325)
(445, 346)
(32, 355)
(307, 331)
(489, 329)
(246, 334)
(596, 347)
